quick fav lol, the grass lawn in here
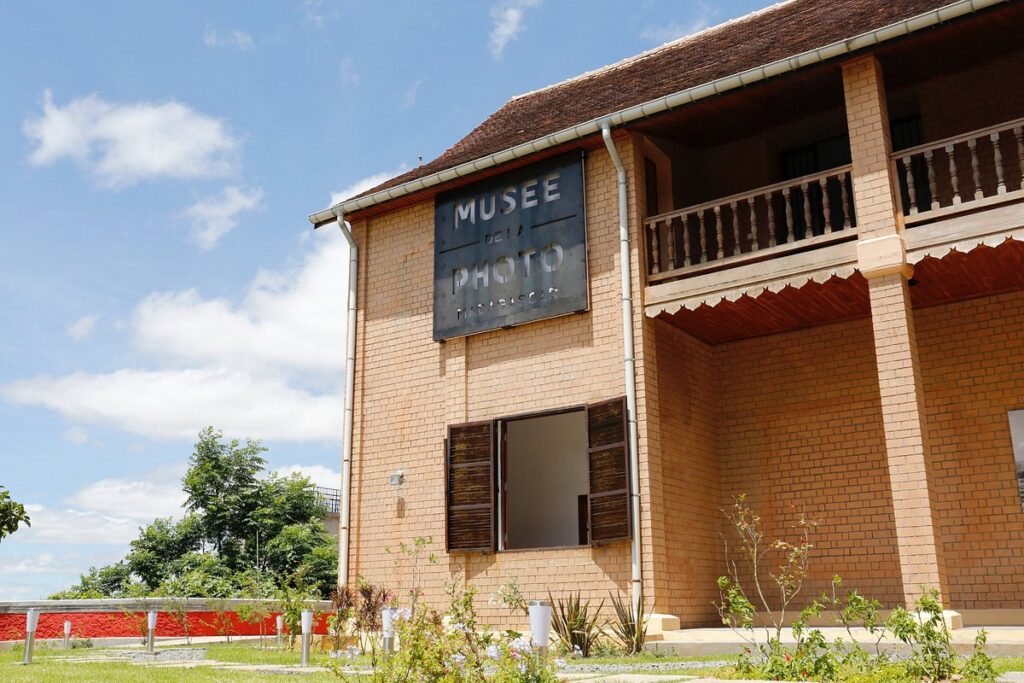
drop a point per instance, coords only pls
(56, 665)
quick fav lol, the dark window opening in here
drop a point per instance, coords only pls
(544, 474)
(557, 479)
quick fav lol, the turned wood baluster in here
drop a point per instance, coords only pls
(844, 179)
(752, 212)
(911, 190)
(685, 241)
(771, 220)
(1018, 132)
(681, 237)
(972, 145)
(932, 187)
(719, 233)
(670, 236)
(703, 237)
(951, 155)
(808, 218)
(997, 155)
(735, 230)
(826, 209)
(652, 232)
(789, 216)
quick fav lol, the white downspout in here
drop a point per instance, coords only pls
(628, 362)
(350, 386)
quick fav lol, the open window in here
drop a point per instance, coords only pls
(1017, 439)
(549, 480)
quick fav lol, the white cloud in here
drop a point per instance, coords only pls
(268, 365)
(364, 184)
(348, 72)
(235, 38)
(82, 329)
(288, 321)
(674, 30)
(43, 563)
(76, 527)
(214, 216)
(122, 144)
(76, 435)
(143, 501)
(318, 474)
(176, 404)
(409, 98)
(507, 18)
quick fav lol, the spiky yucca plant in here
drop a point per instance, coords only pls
(576, 624)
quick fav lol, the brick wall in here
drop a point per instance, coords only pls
(409, 388)
(972, 362)
(688, 492)
(982, 96)
(800, 428)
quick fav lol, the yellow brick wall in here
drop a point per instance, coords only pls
(689, 549)
(800, 429)
(409, 388)
(972, 363)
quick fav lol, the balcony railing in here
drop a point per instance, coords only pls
(761, 224)
(329, 498)
(963, 172)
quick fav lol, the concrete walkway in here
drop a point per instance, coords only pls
(1003, 641)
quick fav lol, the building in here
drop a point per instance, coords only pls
(824, 292)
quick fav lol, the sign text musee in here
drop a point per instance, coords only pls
(511, 249)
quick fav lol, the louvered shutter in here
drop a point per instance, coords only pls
(608, 454)
(469, 487)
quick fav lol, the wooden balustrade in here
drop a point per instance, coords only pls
(985, 164)
(758, 224)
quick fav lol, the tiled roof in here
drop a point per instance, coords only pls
(775, 33)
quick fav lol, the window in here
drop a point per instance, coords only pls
(540, 481)
(1017, 437)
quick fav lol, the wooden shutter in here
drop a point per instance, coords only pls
(469, 487)
(608, 452)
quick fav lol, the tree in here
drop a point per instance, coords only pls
(243, 533)
(160, 545)
(222, 485)
(12, 514)
(112, 581)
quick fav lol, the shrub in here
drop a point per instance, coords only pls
(630, 625)
(577, 626)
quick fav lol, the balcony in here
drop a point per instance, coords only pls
(979, 169)
(759, 225)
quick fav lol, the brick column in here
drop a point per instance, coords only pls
(882, 260)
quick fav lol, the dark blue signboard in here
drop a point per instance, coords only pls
(511, 249)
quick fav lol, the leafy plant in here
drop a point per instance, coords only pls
(343, 600)
(630, 625)
(177, 609)
(511, 598)
(222, 623)
(576, 624)
(12, 514)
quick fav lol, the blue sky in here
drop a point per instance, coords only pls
(157, 273)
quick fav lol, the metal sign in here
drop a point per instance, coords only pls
(511, 249)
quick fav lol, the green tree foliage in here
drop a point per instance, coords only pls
(243, 533)
(12, 514)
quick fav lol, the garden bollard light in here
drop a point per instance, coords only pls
(280, 628)
(388, 628)
(150, 632)
(67, 635)
(307, 634)
(31, 622)
(540, 623)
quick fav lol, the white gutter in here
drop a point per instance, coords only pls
(350, 388)
(678, 99)
(628, 365)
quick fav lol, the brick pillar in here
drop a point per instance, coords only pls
(882, 260)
